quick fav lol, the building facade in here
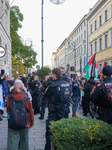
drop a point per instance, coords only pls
(5, 40)
(72, 53)
(100, 32)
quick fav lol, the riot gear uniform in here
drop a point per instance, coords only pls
(58, 94)
(36, 97)
(102, 97)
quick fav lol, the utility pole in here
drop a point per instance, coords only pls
(42, 41)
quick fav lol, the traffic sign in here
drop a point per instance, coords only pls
(38, 67)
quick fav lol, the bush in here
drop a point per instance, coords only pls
(81, 134)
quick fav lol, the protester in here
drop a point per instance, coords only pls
(2, 78)
(87, 90)
(76, 95)
(19, 137)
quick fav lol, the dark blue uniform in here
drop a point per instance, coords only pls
(44, 99)
(36, 97)
(58, 94)
(102, 97)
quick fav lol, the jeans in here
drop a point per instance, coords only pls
(76, 101)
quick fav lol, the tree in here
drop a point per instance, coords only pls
(21, 52)
(43, 72)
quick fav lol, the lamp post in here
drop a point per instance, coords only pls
(42, 37)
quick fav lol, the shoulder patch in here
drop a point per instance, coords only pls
(46, 89)
(98, 84)
(93, 90)
(36, 84)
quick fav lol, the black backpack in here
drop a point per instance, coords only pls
(18, 113)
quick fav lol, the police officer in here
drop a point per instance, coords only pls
(44, 98)
(58, 94)
(102, 96)
(50, 80)
(64, 76)
(30, 82)
(35, 95)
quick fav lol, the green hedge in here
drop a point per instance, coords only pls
(81, 134)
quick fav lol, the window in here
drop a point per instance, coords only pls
(81, 37)
(100, 44)
(77, 41)
(84, 34)
(77, 53)
(95, 46)
(95, 25)
(84, 48)
(81, 50)
(106, 42)
(105, 15)
(2, 10)
(79, 30)
(91, 49)
(100, 21)
(81, 27)
(91, 29)
(111, 10)
(84, 24)
(111, 38)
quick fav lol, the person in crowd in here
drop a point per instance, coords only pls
(87, 90)
(58, 93)
(65, 77)
(30, 81)
(20, 138)
(102, 96)
(36, 96)
(44, 98)
(23, 79)
(76, 95)
(50, 80)
(11, 90)
(2, 78)
(5, 89)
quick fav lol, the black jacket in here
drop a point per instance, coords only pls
(87, 90)
(102, 97)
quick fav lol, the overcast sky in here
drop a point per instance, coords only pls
(59, 22)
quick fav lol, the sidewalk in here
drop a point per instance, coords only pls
(36, 134)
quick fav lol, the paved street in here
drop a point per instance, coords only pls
(36, 135)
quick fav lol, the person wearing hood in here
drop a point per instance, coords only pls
(87, 90)
(11, 90)
(20, 137)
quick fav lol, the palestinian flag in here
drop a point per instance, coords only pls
(96, 70)
(90, 67)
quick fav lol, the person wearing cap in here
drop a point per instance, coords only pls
(101, 96)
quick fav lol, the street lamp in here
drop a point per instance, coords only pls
(57, 1)
(42, 40)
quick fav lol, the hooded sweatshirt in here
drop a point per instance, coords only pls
(18, 94)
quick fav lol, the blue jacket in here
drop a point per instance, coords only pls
(75, 88)
(5, 87)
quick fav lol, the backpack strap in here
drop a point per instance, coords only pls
(23, 99)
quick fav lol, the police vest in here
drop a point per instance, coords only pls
(62, 94)
(107, 94)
